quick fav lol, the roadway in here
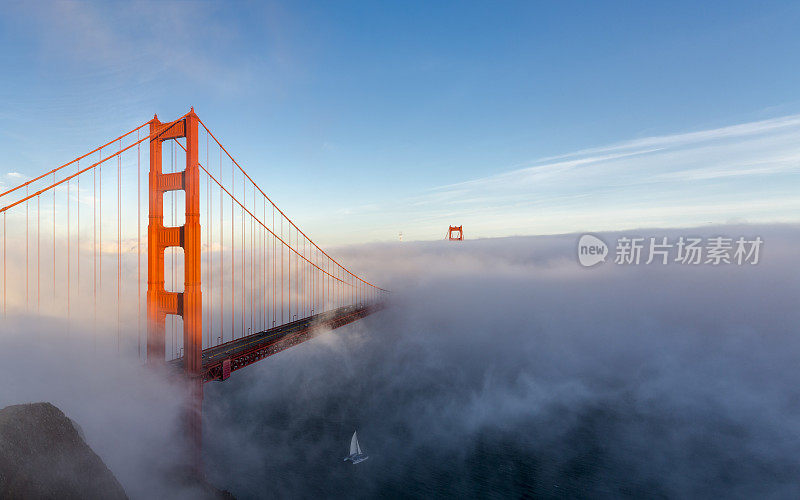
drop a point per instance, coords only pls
(219, 361)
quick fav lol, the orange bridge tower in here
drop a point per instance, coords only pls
(187, 304)
(455, 233)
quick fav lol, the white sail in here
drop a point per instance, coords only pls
(354, 447)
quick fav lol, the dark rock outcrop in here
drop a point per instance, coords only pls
(42, 455)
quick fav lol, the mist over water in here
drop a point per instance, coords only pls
(126, 412)
(503, 368)
(500, 368)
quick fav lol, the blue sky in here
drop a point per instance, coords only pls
(364, 119)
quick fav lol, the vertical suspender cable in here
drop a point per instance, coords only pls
(27, 252)
(252, 262)
(243, 259)
(221, 273)
(209, 255)
(282, 281)
(209, 293)
(263, 265)
(54, 241)
(233, 273)
(274, 260)
(323, 282)
(328, 283)
(302, 287)
(100, 224)
(94, 250)
(307, 270)
(38, 251)
(78, 231)
(4, 265)
(315, 301)
(289, 259)
(244, 256)
(69, 276)
(297, 274)
(119, 236)
(138, 244)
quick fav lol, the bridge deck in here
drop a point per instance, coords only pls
(219, 361)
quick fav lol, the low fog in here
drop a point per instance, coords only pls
(127, 413)
(500, 368)
(504, 368)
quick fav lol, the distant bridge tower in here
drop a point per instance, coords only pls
(455, 233)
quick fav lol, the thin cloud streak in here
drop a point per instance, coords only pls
(737, 173)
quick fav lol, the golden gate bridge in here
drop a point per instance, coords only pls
(253, 283)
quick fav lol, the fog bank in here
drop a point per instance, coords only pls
(503, 367)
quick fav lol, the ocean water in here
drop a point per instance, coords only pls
(504, 370)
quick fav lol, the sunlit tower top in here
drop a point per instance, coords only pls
(454, 233)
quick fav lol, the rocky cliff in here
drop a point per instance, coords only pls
(43, 455)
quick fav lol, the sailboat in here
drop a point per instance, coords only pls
(356, 455)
